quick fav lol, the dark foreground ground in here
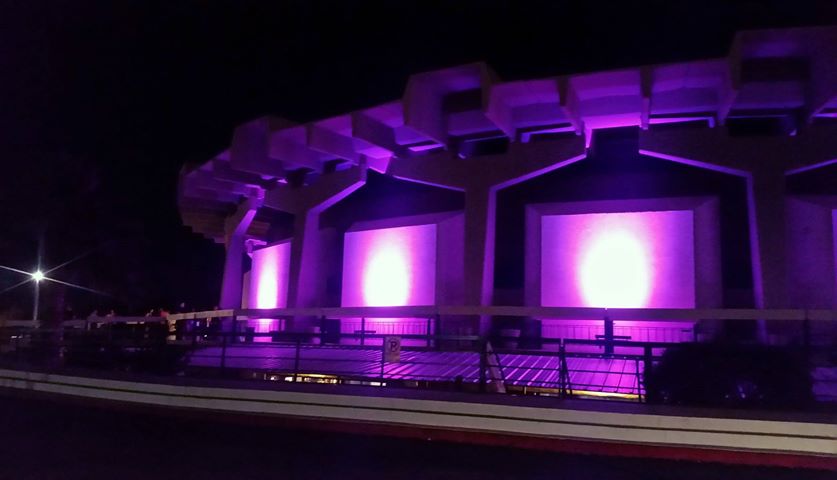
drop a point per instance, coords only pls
(46, 439)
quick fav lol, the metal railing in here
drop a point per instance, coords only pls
(607, 365)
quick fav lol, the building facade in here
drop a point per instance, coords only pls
(703, 184)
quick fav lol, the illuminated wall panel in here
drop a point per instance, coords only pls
(268, 287)
(390, 267)
(621, 259)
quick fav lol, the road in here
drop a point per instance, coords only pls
(49, 439)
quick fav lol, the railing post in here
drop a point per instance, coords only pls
(806, 333)
(562, 368)
(483, 363)
(362, 331)
(111, 354)
(648, 360)
(383, 358)
(638, 384)
(608, 335)
(223, 353)
(296, 358)
(428, 331)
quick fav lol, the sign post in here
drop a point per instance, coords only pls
(392, 349)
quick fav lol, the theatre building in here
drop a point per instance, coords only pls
(706, 184)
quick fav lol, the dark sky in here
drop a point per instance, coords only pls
(101, 104)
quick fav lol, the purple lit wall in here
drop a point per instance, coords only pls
(810, 246)
(628, 259)
(268, 287)
(403, 261)
(390, 267)
(655, 252)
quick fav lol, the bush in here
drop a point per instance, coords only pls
(723, 375)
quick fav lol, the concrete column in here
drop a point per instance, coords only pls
(810, 249)
(235, 232)
(766, 205)
(306, 280)
(303, 287)
(480, 214)
(231, 286)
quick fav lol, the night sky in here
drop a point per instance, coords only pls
(102, 103)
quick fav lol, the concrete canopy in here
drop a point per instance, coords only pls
(430, 134)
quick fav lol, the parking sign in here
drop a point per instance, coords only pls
(392, 349)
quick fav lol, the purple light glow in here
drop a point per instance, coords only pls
(269, 282)
(615, 271)
(390, 267)
(387, 279)
(630, 259)
(387, 326)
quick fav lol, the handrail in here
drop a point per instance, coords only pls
(119, 319)
(574, 313)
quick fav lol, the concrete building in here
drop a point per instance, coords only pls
(703, 184)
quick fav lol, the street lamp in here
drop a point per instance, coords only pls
(37, 276)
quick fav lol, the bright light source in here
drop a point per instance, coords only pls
(386, 281)
(615, 272)
(38, 275)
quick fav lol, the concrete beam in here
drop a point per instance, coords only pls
(376, 133)
(425, 94)
(520, 163)
(500, 114)
(730, 85)
(524, 162)
(224, 171)
(205, 179)
(715, 149)
(307, 203)
(481, 178)
(326, 141)
(250, 149)
(423, 109)
(328, 190)
(293, 153)
(764, 163)
(443, 170)
(646, 82)
(235, 229)
(814, 146)
(568, 102)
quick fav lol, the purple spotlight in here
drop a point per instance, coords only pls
(390, 267)
(615, 272)
(386, 281)
(623, 259)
